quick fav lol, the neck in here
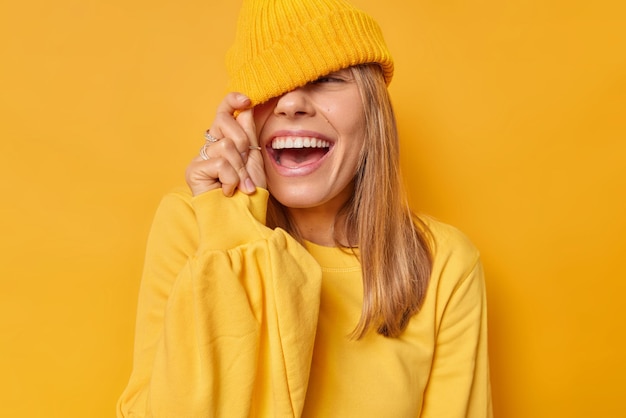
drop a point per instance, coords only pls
(323, 224)
(318, 225)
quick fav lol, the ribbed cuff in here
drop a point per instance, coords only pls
(228, 222)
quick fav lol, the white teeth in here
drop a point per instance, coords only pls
(299, 142)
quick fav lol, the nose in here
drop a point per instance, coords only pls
(295, 103)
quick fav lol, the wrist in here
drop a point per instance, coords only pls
(227, 222)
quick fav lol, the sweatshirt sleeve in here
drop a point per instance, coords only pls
(459, 383)
(227, 313)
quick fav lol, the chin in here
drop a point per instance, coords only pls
(309, 195)
(295, 198)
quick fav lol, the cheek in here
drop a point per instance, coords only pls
(354, 127)
(350, 115)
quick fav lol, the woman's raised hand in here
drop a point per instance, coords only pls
(234, 160)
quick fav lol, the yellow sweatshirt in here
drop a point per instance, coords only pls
(237, 320)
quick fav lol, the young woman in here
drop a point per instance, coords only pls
(291, 279)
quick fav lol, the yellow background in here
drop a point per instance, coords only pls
(512, 119)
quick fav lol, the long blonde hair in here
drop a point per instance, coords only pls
(396, 264)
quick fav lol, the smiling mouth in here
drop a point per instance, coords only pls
(296, 151)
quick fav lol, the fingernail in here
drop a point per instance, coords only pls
(249, 185)
(242, 98)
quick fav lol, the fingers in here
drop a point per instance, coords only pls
(254, 162)
(224, 168)
(225, 162)
(226, 126)
(202, 177)
(246, 121)
(232, 102)
(225, 153)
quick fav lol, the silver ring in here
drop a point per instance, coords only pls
(210, 138)
(256, 147)
(203, 153)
